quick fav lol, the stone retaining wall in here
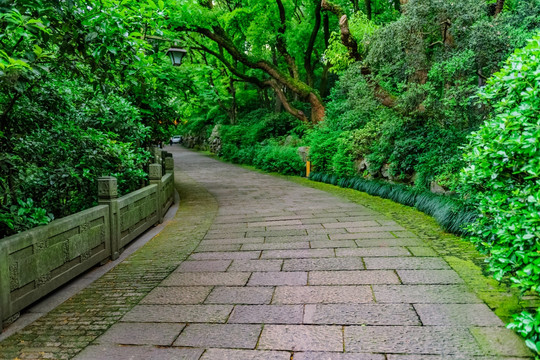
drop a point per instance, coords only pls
(35, 262)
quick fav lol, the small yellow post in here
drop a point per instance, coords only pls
(308, 168)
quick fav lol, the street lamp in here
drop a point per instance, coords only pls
(176, 55)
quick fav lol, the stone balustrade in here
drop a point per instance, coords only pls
(35, 262)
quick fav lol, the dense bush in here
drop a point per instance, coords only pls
(503, 178)
(54, 171)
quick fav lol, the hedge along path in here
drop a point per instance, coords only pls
(72, 326)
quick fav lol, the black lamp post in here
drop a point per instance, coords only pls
(176, 55)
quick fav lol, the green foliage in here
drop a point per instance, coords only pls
(280, 159)
(322, 147)
(83, 92)
(59, 167)
(503, 175)
(361, 29)
(336, 54)
(22, 216)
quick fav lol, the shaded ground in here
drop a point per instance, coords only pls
(283, 271)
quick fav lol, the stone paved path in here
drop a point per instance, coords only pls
(288, 272)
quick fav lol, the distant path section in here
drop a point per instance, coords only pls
(282, 272)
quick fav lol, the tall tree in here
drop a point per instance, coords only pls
(244, 36)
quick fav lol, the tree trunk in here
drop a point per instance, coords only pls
(317, 108)
(499, 7)
(346, 38)
(311, 44)
(356, 8)
(286, 105)
(234, 106)
(368, 8)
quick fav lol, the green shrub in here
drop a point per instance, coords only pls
(503, 177)
(322, 146)
(343, 160)
(281, 159)
(58, 168)
(22, 216)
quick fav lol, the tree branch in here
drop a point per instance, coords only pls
(232, 69)
(346, 38)
(280, 42)
(290, 109)
(311, 43)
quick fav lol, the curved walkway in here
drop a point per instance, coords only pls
(282, 272)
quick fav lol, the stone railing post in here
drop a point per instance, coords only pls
(169, 165)
(108, 195)
(155, 172)
(157, 155)
(5, 289)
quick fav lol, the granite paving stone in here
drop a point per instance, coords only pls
(411, 340)
(301, 338)
(204, 266)
(371, 229)
(413, 263)
(229, 234)
(308, 227)
(336, 356)
(424, 294)
(448, 357)
(225, 255)
(361, 314)
(277, 246)
(363, 235)
(256, 265)
(206, 278)
(278, 278)
(322, 294)
(238, 336)
(352, 263)
(319, 220)
(354, 224)
(230, 354)
(179, 313)
(217, 247)
(177, 295)
(361, 277)
(374, 251)
(297, 254)
(389, 242)
(457, 314)
(288, 239)
(235, 240)
(267, 314)
(240, 295)
(292, 232)
(141, 334)
(323, 231)
(289, 216)
(332, 244)
(429, 277)
(500, 341)
(422, 251)
(275, 223)
(115, 352)
(404, 234)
